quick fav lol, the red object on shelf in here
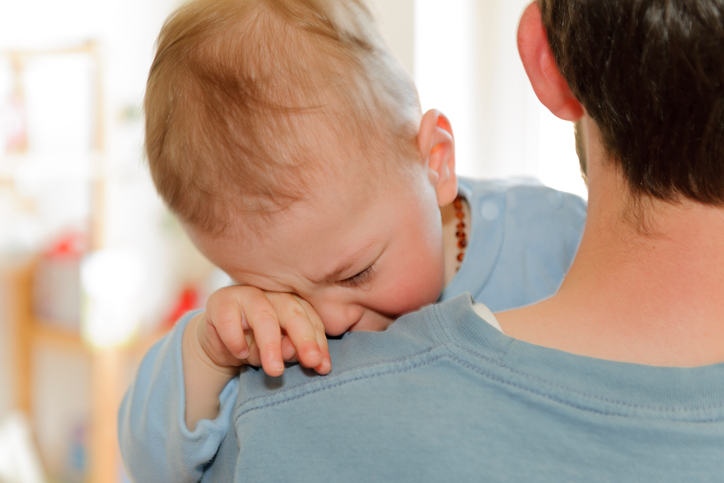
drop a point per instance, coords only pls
(70, 245)
(56, 282)
(186, 301)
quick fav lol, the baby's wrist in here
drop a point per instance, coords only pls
(203, 379)
(194, 353)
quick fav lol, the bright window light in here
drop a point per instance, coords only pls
(112, 282)
(467, 65)
(558, 163)
(444, 69)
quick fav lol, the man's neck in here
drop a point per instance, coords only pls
(645, 290)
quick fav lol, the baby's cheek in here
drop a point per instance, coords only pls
(411, 292)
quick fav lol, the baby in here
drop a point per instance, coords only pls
(290, 144)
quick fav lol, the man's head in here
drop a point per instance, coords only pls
(252, 103)
(650, 73)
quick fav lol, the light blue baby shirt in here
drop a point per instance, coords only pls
(523, 239)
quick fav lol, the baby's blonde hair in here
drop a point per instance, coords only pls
(231, 90)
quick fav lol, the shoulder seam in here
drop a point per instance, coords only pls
(568, 389)
(240, 413)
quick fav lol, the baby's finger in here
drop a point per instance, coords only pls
(254, 358)
(326, 365)
(289, 353)
(294, 320)
(226, 316)
(262, 319)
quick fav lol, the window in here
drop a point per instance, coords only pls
(466, 64)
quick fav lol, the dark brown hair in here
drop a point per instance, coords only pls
(651, 74)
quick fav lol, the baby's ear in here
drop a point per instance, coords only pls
(437, 146)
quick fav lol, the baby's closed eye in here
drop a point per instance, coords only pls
(361, 278)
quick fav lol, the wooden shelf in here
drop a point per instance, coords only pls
(45, 332)
(88, 46)
(108, 365)
(48, 332)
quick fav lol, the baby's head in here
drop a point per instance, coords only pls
(289, 142)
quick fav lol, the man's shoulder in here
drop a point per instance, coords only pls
(412, 340)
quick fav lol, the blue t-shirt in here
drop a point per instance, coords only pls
(523, 240)
(444, 396)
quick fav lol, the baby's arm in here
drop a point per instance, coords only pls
(178, 409)
(244, 325)
(155, 443)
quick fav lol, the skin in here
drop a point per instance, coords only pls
(358, 254)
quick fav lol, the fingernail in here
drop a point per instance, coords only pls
(277, 366)
(243, 354)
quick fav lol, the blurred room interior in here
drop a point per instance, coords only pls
(93, 269)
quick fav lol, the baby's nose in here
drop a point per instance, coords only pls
(338, 316)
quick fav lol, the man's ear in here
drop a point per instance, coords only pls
(540, 65)
(437, 146)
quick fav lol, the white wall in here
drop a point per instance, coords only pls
(396, 19)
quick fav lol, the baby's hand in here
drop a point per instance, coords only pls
(245, 325)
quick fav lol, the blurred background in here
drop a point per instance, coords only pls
(93, 269)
